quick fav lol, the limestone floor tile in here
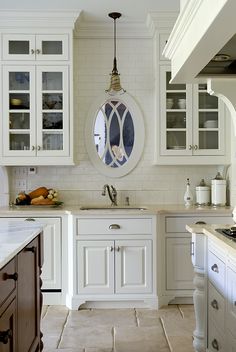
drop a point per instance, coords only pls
(44, 311)
(56, 312)
(182, 344)
(85, 337)
(144, 339)
(65, 350)
(187, 311)
(99, 317)
(150, 317)
(50, 341)
(179, 327)
(99, 349)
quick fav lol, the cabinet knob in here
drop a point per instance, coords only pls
(190, 147)
(195, 147)
(215, 345)
(214, 304)
(114, 227)
(118, 249)
(29, 219)
(10, 276)
(30, 249)
(33, 147)
(112, 249)
(5, 336)
(37, 51)
(215, 268)
(32, 51)
(38, 147)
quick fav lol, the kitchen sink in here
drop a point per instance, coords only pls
(112, 208)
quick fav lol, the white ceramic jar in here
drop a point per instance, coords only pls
(203, 195)
(218, 191)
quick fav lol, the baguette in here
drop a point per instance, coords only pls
(42, 201)
(41, 191)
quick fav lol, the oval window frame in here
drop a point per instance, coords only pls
(139, 135)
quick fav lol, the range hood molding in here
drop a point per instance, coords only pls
(224, 88)
(200, 32)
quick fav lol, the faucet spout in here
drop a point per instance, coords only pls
(112, 193)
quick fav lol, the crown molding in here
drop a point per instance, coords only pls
(10, 19)
(160, 20)
(105, 30)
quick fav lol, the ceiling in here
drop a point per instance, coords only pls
(97, 10)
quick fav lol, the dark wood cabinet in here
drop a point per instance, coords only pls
(21, 300)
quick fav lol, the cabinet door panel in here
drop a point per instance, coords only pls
(8, 328)
(231, 301)
(18, 47)
(133, 266)
(179, 275)
(52, 47)
(95, 267)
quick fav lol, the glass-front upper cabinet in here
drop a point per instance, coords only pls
(190, 119)
(35, 47)
(35, 111)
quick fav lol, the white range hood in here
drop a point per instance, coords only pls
(204, 30)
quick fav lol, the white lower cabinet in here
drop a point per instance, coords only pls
(114, 266)
(113, 261)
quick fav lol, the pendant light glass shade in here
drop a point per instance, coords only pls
(115, 86)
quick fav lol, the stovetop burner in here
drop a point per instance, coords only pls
(230, 232)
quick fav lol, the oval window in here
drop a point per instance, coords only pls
(115, 135)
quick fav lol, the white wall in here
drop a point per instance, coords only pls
(146, 184)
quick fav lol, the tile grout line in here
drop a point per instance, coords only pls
(136, 318)
(166, 335)
(181, 312)
(60, 337)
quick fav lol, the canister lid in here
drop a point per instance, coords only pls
(218, 176)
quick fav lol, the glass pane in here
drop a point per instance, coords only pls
(208, 140)
(19, 141)
(208, 119)
(51, 47)
(19, 81)
(17, 47)
(52, 101)
(176, 140)
(19, 121)
(170, 86)
(100, 133)
(128, 134)
(175, 120)
(176, 101)
(52, 120)
(19, 101)
(114, 131)
(207, 101)
(52, 80)
(202, 86)
(52, 141)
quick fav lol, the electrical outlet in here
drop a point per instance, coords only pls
(20, 184)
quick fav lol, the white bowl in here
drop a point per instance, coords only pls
(211, 124)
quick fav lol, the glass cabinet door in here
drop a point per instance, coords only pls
(18, 47)
(52, 47)
(52, 111)
(174, 116)
(18, 110)
(208, 131)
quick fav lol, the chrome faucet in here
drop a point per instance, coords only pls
(112, 193)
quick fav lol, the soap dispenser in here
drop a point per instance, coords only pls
(188, 197)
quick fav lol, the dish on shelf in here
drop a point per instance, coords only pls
(177, 147)
(55, 205)
(211, 124)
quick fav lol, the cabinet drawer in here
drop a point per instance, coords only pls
(178, 224)
(216, 342)
(216, 307)
(7, 285)
(132, 226)
(231, 301)
(216, 272)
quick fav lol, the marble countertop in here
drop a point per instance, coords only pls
(76, 210)
(14, 236)
(210, 231)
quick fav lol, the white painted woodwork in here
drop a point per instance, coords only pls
(95, 265)
(129, 226)
(216, 272)
(179, 270)
(216, 306)
(133, 263)
(231, 300)
(192, 150)
(216, 338)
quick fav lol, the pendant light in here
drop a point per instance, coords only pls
(115, 86)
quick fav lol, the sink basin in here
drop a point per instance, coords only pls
(111, 208)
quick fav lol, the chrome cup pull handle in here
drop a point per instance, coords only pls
(114, 227)
(215, 345)
(214, 304)
(215, 268)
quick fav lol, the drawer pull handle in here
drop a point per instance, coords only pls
(214, 304)
(29, 219)
(200, 223)
(10, 276)
(5, 336)
(118, 248)
(114, 227)
(215, 345)
(30, 249)
(32, 51)
(215, 268)
(112, 249)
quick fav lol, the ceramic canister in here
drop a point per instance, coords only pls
(218, 192)
(203, 195)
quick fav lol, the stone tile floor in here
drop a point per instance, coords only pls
(168, 329)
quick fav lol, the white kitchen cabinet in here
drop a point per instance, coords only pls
(51, 270)
(113, 259)
(37, 85)
(191, 124)
(35, 47)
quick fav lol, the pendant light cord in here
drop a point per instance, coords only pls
(114, 70)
